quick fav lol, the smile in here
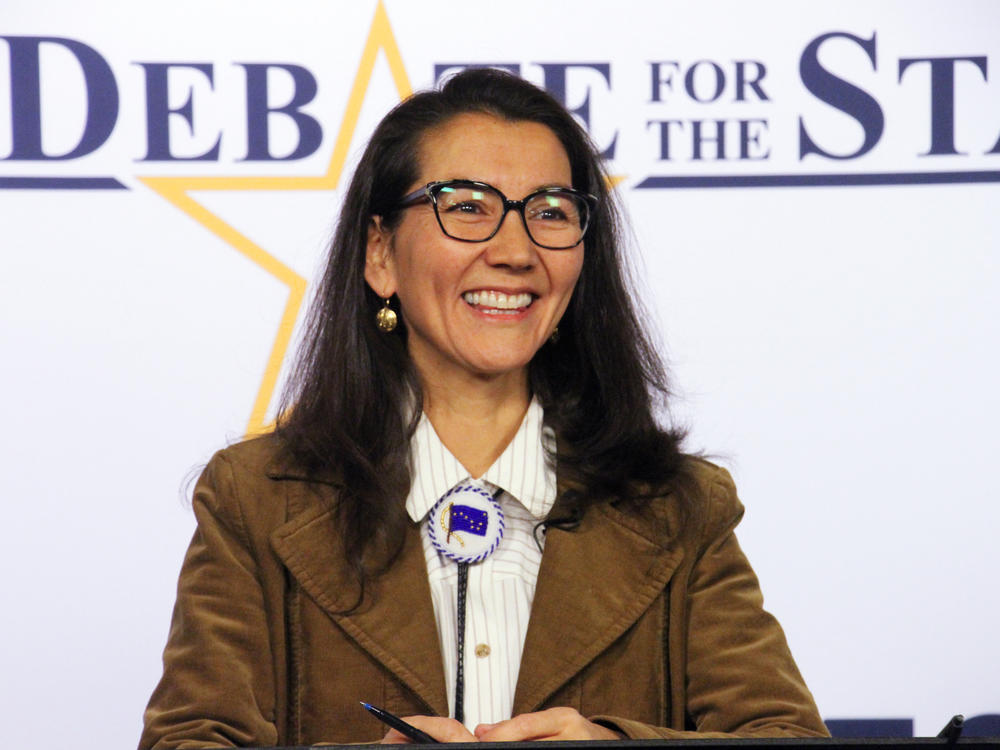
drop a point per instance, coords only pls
(490, 301)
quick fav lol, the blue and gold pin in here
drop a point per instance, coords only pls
(466, 524)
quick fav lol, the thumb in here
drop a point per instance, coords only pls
(482, 729)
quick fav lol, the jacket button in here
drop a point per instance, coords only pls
(482, 650)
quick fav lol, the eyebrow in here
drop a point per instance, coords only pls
(544, 186)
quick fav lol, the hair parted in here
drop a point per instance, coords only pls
(348, 408)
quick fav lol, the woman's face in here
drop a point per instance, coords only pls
(446, 287)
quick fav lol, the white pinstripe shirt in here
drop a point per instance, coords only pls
(500, 588)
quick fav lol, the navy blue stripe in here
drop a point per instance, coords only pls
(818, 180)
(60, 183)
(654, 182)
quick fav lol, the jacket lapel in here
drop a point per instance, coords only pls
(395, 623)
(593, 584)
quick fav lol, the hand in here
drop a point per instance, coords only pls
(438, 727)
(553, 724)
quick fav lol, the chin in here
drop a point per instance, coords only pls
(497, 366)
(503, 354)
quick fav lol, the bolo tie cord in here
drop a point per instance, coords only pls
(568, 523)
(463, 586)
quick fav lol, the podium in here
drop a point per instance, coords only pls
(790, 743)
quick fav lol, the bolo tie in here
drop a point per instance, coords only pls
(465, 525)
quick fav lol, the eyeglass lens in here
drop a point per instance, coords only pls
(553, 219)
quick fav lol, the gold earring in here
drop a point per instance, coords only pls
(554, 336)
(386, 318)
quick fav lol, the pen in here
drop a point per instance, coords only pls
(399, 725)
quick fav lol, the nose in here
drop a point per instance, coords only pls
(511, 246)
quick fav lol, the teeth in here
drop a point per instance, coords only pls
(497, 300)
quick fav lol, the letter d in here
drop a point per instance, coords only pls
(25, 94)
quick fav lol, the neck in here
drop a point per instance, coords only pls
(478, 420)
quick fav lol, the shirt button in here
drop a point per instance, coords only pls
(482, 650)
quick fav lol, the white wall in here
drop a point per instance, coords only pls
(833, 346)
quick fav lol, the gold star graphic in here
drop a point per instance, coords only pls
(177, 190)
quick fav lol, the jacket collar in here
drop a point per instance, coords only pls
(593, 584)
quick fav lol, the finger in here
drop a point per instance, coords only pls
(560, 723)
(441, 728)
(521, 728)
(482, 729)
(393, 737)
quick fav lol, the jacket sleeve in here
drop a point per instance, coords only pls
(217, 688)
(738, 678)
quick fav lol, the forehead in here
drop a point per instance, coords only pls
(509, 154)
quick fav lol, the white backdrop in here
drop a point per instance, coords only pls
(834, 346)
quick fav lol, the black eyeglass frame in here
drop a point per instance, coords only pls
(429, 192)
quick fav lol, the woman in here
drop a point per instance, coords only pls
(468, 513)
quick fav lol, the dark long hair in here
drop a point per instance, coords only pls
(348, 409)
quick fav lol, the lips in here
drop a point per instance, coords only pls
(498, 301)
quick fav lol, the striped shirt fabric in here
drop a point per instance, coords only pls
(501, 587)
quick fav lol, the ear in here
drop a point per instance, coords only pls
(380, 271)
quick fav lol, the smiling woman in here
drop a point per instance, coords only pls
(468, 511)
(476, 312)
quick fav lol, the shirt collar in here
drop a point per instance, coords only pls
(522, 470)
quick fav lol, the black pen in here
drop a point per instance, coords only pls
(399, 725)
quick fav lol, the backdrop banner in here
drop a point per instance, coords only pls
(813, 192)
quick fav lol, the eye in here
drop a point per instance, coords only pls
(465, 207)
(551, 213)
(467, 204)
(552, 207)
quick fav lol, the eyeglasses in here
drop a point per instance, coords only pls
(555, 218)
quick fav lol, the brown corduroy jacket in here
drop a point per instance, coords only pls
(654, 626)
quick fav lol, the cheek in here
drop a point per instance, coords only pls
(429, 272)
(427, 275)
(570, 281)
(568, 274)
